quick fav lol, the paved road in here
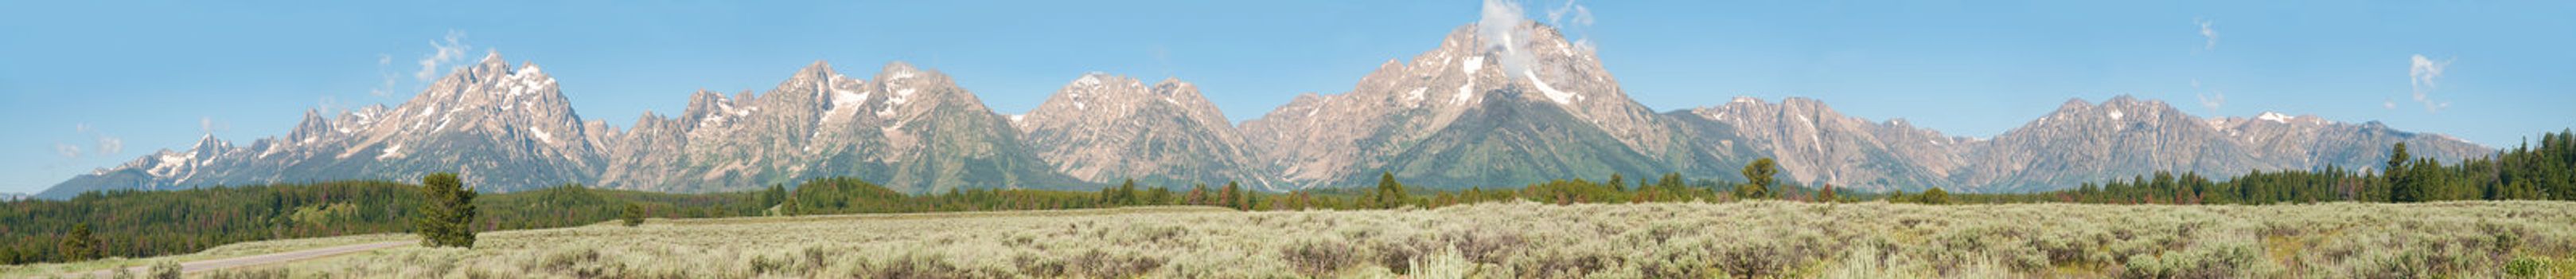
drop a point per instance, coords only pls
(274, 258)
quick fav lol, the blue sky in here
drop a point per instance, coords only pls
(89, 84)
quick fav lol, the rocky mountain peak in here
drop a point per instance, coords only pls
(820, 69)
(311, 128)
(209, 143)
(1103, 127)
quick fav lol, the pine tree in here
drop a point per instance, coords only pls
(1672, 186)
(1232, 196)
(1127, 193)
(634, 214)
(1198, 195)
(1934, 196)
(777, 194)
(78, 245)
(1390, 194)
(447, 212)
(1758, 180)
(1251, 200)
(1618, 183)
(1825, 195)
(2401, 186)
(1158, 196)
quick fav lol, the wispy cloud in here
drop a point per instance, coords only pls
(1505, 23)
(384, 68)
(2207, 32)
(106, 144)
(67, 150)
(1575, 20)
(2212, 101)
(210, 126)
(110, 145)
(2424, 77)
(328, 105)
(448, 51)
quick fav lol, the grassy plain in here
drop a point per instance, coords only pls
(1529, 240)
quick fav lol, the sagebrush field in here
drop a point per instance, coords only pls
(1529, 240)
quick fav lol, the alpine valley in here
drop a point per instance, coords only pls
(1484, 109)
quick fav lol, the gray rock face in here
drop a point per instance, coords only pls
(1104, 129)
(1561, 117)
(2080, 142)
(1830, 148)
(911, 129)
(1452, 117)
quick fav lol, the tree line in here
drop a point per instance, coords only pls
(2525, 172)
(133, 224)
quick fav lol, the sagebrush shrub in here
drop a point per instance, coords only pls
(1530, 240)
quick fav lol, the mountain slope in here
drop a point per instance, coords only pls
(1105, 128)
(1562, 109)
(1821, 146)
(2124, 136)
(910, 129)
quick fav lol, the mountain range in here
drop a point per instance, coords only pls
(1486, 108)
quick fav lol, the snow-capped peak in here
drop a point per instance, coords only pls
(2276, 117)
(1089, 80)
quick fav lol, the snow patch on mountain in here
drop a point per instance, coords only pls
(542, 135)
(1464, 91)
(1411, 99)
(1561, 97)
(393, 151)
(1473, 64)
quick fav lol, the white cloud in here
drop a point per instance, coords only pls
(328, 106)
(68, 151)
(1582, 16)
(210, 126)
(2424, 77)
(1580, 26)
(2388, 104)
(2212, 102)
(384, 66)
(110, 145)
(2207, 32)
(1501, 24)
(106, 144)
(450, 51)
